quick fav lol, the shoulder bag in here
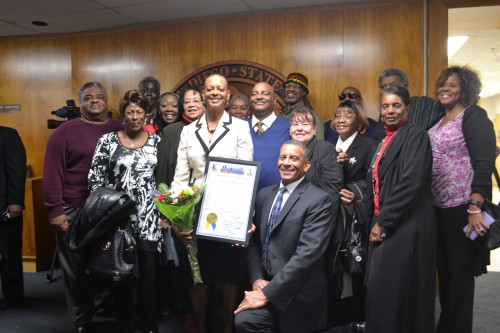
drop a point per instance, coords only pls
(114, 257)
(352, 250)
(493, 235)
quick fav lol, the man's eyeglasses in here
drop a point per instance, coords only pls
(351, 95)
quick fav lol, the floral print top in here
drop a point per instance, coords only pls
(130, 170)
(451, 168)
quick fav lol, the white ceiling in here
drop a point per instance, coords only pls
(85, 15)
(481, 24)
(482, 50)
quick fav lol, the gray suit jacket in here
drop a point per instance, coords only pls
(298, 242)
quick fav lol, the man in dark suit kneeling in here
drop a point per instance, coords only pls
(293, 225)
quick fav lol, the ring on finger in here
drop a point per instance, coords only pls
(481, 229)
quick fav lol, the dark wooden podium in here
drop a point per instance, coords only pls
(39, 241)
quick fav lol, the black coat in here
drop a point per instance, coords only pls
(326, 174)
(103, 210)
(12, 184)
(167, 153)
(360, 154)
(12, 168)
(400, 276)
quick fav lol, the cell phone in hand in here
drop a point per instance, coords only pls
(486, 218)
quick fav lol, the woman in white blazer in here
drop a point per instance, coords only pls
(221, 135)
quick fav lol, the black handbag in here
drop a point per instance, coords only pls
(114, 257)
(493, 234)
(353, 250)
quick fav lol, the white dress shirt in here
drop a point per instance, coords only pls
(266, 122)
(289, 189)
(344, 145)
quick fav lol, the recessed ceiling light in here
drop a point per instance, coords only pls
(455, 43)
(40, 23)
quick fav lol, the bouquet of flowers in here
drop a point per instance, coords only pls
(178, 206)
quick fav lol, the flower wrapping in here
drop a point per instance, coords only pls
(178, 205)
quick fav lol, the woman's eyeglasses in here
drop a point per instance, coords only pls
(194, 101)
(351, 95)
(344, 115)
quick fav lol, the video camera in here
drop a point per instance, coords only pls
(70, 111)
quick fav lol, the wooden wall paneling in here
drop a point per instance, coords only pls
(377, 38)
(317, 50)
(186, 50)
(36, 73)
(325, 60)
(117, 60)
(438, 42)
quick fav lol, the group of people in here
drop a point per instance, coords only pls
(413, 182)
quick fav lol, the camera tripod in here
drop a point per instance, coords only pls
(49, 277)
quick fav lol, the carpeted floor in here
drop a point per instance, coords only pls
(45, 311)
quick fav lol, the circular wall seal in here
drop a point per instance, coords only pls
(241, 76)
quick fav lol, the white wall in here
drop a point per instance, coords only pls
(491, 105)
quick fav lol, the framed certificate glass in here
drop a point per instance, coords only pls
(227, 205)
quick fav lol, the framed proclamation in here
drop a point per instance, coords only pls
(227, 205)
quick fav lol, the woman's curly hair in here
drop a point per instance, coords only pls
(470, 85)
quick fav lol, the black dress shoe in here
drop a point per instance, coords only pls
(82, 328)
(3, 305)
(105, 313)
(358, 327)
(6, 304)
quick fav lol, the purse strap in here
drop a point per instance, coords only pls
(497, 177)
(347, 232)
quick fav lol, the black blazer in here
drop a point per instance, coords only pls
(360, 154)
(12, 168)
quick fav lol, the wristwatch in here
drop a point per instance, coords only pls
(476, 203)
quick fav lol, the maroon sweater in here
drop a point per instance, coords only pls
(67, 162)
